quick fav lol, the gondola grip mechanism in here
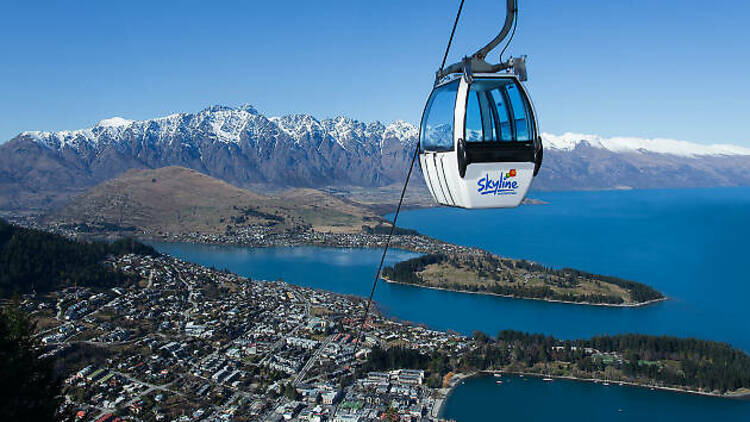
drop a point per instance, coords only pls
(518, 65)
(466, 63)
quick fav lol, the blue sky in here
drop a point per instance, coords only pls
(673, 69)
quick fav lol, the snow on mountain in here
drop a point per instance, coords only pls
(227, 124)
(569, 141)
(114, 122)
(243, 147)
(401, 130)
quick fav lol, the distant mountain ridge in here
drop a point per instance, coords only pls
(243, 147)
(569, 141)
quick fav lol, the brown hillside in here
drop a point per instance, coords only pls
(180, 200)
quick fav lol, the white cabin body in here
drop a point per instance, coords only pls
(489, 155)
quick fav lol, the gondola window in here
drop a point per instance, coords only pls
(437, 124)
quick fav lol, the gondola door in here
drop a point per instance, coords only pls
(441, 123)
(501, 142)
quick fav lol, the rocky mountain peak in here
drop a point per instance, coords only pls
(243, 147)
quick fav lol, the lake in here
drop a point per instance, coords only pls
(531, 399)
(690, 244)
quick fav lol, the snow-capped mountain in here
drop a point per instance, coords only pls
(569, 141)
(575, 161)
(248, 149)
(236, 144)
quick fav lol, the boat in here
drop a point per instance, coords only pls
(548, 379)
(498, 382)
(498, 375)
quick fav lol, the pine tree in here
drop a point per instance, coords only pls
(30, 391)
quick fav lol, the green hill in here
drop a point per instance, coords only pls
(33, 260)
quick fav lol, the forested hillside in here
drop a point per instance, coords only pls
(33, 260)
(487, 273)
(696, 365)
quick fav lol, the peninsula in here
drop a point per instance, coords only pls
(482, 272)
(160, 336)
(175, 204)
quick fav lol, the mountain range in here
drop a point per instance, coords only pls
(243, 147)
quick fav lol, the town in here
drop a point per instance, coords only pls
(258, 236)
(175, 341)
(192, 343)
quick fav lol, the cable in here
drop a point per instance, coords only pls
(453, 31)
(400, 202)
(515, 23)
(385, 250)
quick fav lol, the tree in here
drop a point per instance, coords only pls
(31, 391)
(480, 337)
(33, 260)
(290, 392)
(391, 414)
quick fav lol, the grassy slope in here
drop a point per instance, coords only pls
(180, 200)
(442, 274)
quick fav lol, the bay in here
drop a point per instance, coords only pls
(531, 399)
(690, 244)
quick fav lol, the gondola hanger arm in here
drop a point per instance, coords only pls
(476, 63)
(510, 16)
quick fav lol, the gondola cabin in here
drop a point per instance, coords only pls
(479, 142)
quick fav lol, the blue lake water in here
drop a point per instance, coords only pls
(348, 271)
(690, 244)
(693, 245)
(531, 399)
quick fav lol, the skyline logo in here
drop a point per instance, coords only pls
(503, 185)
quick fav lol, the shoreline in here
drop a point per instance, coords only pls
(413, 250)
(455, 381)
(539, 299)
(739, 396)
(413, 242)
(490, 372)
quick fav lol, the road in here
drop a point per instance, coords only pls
(301, 375)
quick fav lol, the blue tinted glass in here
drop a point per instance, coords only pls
(520, 114)
(502, 116)
(488, 112)
(437, 123)
(474, 132)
